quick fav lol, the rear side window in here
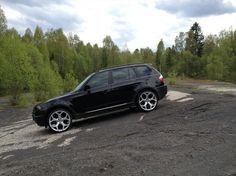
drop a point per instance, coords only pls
(120, 75)
(143, 71)
(154, 71)
(132, 74)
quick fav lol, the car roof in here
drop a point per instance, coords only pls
(123, 66)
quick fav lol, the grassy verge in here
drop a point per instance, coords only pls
(25, 100)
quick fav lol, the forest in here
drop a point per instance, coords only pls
(49, 63)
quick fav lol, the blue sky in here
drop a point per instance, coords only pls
(135, 23)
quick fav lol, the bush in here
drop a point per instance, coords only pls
(172, 76)
(16, 69)
(25, 100)
(48, 84)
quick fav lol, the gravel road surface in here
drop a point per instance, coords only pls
(193, 132)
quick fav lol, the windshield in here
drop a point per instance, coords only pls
(82, 83)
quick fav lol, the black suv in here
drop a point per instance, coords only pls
(106, 91)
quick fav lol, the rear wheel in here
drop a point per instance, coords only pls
(147, 100)
(59, 120)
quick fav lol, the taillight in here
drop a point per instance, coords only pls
(161, 78)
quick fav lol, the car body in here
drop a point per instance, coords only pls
(108, 90)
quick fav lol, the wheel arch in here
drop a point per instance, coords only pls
(145, 89)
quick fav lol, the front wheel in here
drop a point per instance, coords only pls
(147, 100)
(59, 120)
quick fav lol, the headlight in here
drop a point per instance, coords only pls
(39, 107)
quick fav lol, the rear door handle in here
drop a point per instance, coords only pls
(105, 91)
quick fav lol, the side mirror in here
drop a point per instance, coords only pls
(86, 88)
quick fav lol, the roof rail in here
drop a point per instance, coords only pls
(123, 65)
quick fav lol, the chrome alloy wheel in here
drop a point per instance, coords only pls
(147, 100)
(59, 120)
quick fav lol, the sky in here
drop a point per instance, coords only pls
(130, 23)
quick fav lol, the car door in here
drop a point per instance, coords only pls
(93, 96)
(122, 87)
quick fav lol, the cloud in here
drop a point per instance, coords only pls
(137, 23)
(46, 14)
(35, 3)
(124, 32)
(197, 8)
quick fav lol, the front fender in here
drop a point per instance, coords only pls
(60, 104)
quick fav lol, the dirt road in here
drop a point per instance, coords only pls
(193, 132)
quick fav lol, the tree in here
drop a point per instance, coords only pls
(73, 40)
(180, 42)
(69, 82)
(104, 57)
(18, 75)
(209, 44)
(40, 42)
(169, 56)
(47, 82)
(28, 36)
(215, 67)
(96, 57)
(110, 50)
(194, 40)
(137, 58)
(108, 43)
(160, 56)
(60, 51)
(147, 55)
(3, 22)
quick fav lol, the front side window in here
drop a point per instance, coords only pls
(84, 81)
(143, 71)
(99, 80)
(120, 75)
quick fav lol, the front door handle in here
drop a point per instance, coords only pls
(116, 88)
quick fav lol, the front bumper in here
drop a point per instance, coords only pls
(39, 117)
(162, 91)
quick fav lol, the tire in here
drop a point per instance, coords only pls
(147, 100)
(59, 120)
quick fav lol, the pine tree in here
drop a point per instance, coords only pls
(160, 54)
(195, 40)
(28, 36)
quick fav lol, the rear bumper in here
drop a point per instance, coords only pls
(162, 91)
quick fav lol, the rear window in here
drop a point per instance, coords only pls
(143, 71)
